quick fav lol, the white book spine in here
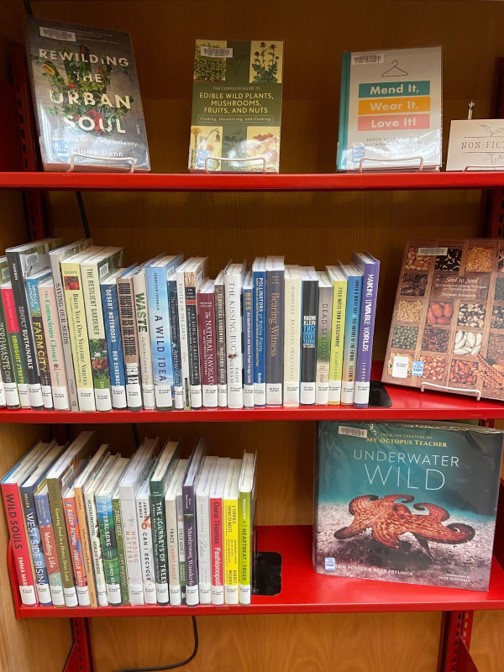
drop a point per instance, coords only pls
(292, 340)
(204, 555)
(324, 323)
(146, 551)
(173, 557)
(131, 545)
(233, 292)
(55, 354)
(184, 350)
(96, 552)
(144, 344)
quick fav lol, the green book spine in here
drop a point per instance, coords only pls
(123, 571)
(108, 543)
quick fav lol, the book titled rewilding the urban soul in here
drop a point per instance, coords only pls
(237, 106)
(414, 503)
(87, 98)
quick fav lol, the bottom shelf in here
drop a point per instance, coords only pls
(304, 591)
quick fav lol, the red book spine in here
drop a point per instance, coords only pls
(217, 555)
(208, 347)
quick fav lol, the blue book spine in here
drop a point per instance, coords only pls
(39, 337)
(371, 273)
(175, 343)
(162, 365)
(248, 347)
(39, 563)
(111, 319)
(259, 285)
(352, 321)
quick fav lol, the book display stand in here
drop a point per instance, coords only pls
(394, 164)
(107, 162)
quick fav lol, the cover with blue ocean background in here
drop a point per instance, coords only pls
(414, 503)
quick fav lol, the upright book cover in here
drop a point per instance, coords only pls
(390, 109)
(414, 503)
(447, 329)
(237, 106)
(87, 98)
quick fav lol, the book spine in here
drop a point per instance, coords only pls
(7, 364)
(48, 542)
(181, 547)
(366, 333)
(87, 553)
(233, 295)
(77, 557)
(62, 545)
(175, 339)
(230, 520)
(309, 341)
(39, 341)
(173, 557)
(14, 336)
(130, 343)
(220, 328)
(292, 341)
(123, 570)
(100, 369)
(259, 286)
(274, 336)
(132, 551)
(217, 551)
(96, 553)
(204, 556)
(108, 543)
(159, 544)
(190, 545)
(37, 554)
(184, 351)
(195, 389)
(248, 348)
(324, 324)
(144, 340)
(337, 340)
(112, 322)
(47, 298)
(208, 348)
(65, 333)
(162, 365)
(343, 115)
(352, 320)
(76, 313)
(245, 547)
(25, 330)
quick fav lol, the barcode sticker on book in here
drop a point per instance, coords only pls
(400, 366)
(352, 431)
(5, 273)
(366, 59)
(54, 34)
(104, 270)
(217, 52)
(433, 251)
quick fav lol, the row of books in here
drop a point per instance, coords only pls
(91, 528)
(78, 331)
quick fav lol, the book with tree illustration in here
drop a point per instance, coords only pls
(237, 106)
(87, 98)
(408, 502)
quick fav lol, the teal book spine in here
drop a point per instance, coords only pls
(108, 542)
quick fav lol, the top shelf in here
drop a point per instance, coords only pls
(251, 182)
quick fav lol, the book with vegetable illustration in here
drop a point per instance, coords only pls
(87, 98)
(237, 106)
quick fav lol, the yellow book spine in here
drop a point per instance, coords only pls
(231, 554)
(337, 340)
(86, 547)
(245, 547)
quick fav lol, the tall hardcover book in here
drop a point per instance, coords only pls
(41, 349)
(390, 109)
(126, 298)
(246, 510)
(87, 98)
(292, 336)
(203, 535)
(309, 310)
(340, 286)
(370, 267)
(248, 341)
(220, 326)
(173, 312)
(113, 337)
(48, 543)
(408, 502)
(230, 518)
(172, 535)
(208, 344)
(275, 293)
(324, 326)
(15, 345)
(6, 355)
(217, 529)
(259, 299)
(352, 322)
(190, 528)
(194, 277)
(233, 284)
(237, 106)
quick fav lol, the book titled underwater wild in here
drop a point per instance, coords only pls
(414, 503)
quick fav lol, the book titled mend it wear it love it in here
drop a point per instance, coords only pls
(86, 96)
(237, 106)
(390, 110)
(408, 502)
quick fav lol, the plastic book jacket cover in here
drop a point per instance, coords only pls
(413, 503)
(237, 106)
(86, 97)
(447, 330)
(390, 110)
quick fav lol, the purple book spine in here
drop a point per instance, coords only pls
(371, 269)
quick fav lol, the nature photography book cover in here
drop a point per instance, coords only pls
(413, 503)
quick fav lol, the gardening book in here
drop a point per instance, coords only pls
(237, 106)
(390, 110)
(407, 502)
(87, 98)
(447, 329)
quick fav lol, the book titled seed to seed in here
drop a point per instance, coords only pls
(390, 110)
(408, 502)
(237, 106)
(447, 330)
(87, 98)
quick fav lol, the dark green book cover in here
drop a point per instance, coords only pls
(414, 503)
(237, 106)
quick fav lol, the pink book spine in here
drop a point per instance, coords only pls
(55, 354)
(20, 543)
(217, 555)
(74, 539)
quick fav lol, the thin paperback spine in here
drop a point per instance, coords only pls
(162, 365)
(34, 307)
(259, 297)
(108, 541)
(175, 338)
(190, 546)
(7, 363)
(160, 547)
(181, 546)
(207, 345)
(130, 342)
(132, 549)
(203, 530)
(324, 325)
(274, 331)
(14, 336)
(309, 337)
(220, 328)
(123, 570)
(62, 545)
(96, 552)
(292, 336)
(184, 351)
(144, 340)
(233, 281)
(75, 545)
(112, 322)
(86, 547)
(337, 339)
(56, 358)
(48, 542)
(217, 550)
(248, 343)
(230, 537)
(146, 550)
(192, 280)
(352, 322)
(173, 554)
